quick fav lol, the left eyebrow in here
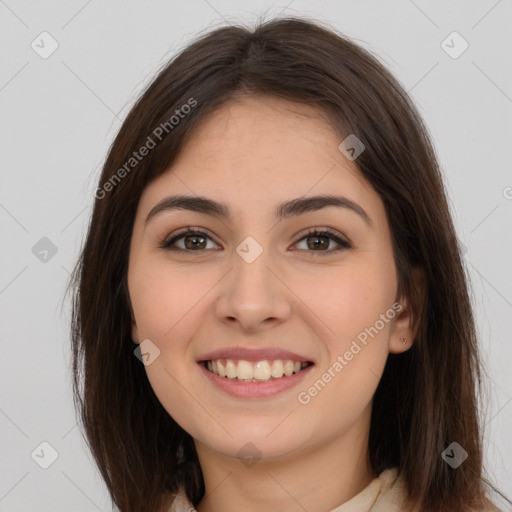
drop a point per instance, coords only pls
(285, 210)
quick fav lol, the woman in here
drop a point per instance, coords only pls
(220, 362)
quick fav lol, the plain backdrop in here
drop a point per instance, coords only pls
(60, 112)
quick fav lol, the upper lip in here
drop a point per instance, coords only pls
(252, 354)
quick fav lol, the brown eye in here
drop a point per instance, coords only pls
(318, 241)
(188, 241)
(195, 242)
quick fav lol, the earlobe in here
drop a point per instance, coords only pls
(407, 321)
(400, 345)
(402, 333)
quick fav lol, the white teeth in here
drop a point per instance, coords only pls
(260, 371)
(288, 368)
(277, 369)
(231, 370)
(245, 370)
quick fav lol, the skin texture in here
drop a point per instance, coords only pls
(252, 154)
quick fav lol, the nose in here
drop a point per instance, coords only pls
(253, 296)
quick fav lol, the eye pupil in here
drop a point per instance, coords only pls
(195, 245)
(316, 238)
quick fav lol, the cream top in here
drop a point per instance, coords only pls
(386, 493)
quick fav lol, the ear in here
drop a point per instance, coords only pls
(407, 321)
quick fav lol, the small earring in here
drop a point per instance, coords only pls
(403, 340)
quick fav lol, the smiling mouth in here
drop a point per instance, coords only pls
(260, 371)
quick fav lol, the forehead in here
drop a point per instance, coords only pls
(260, 124)
(258, 152)
(264, 135)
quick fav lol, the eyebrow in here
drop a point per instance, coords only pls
(283, 211)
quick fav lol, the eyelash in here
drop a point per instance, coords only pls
(166, 244)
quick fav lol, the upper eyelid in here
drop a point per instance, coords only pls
(188, 230)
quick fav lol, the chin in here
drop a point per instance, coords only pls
(259, 442)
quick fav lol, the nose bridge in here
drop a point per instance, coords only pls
(251, 275)
(252, 293)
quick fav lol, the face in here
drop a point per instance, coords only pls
(247, 288)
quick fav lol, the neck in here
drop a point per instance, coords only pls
(321, 477)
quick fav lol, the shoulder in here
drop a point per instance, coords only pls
(393, 495)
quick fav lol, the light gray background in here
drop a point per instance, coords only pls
(59, 115)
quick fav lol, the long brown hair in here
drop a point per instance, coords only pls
(427, 397)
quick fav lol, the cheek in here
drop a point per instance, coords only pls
(356, 306)
(349, 299)
(163, 303)
(162, 298)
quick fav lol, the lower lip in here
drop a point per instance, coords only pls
(255, 389)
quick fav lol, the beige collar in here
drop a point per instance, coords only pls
(385, 493)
